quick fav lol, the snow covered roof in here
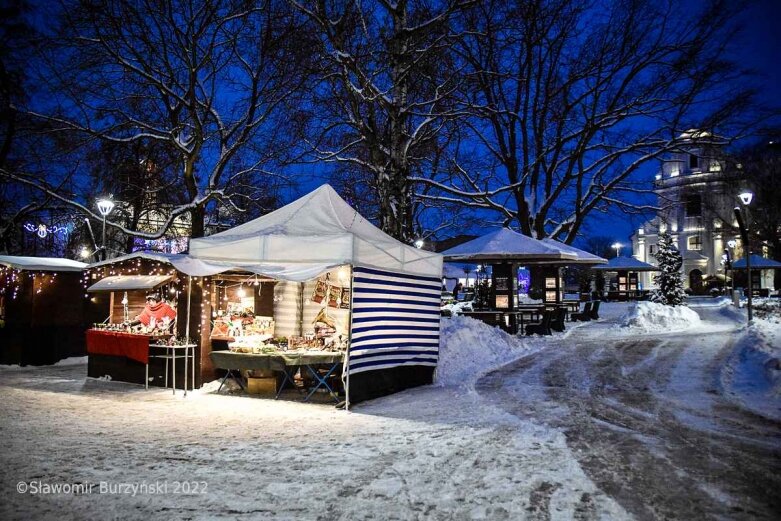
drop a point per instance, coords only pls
(506, 244)
(129, 282)
(626, 263)
(167, 258)
(583, 257)
(757, 262)
(312, 234)
(41, 263)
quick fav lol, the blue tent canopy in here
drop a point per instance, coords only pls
(626, 264)
(758, 263)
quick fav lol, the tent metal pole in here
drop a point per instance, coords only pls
(189, 295)
(300, 309)
(346, 366)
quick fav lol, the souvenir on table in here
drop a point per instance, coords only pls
(220, 328)
(345, 298)
(320, 288)
(334, 294)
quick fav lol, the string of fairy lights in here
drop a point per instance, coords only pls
(12, 280)
(178, 284)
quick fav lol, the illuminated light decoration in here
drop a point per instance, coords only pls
(746, 197)
(419, 243)
(42, 231)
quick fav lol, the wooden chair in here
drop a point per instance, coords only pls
(543, 326)
(585, 316)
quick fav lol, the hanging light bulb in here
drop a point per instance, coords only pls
(241, 293)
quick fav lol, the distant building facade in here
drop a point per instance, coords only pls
(695, 191)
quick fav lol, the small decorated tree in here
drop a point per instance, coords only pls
(670, 283)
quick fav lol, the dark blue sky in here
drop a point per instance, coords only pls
(758, 47)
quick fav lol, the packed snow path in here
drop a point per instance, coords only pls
(649, 421)
(431, 453)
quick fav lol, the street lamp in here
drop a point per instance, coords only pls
(745, 197)
(617, 246)
(105, 206)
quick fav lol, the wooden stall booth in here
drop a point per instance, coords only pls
(43, 310)
(140, 337)
(626, 269)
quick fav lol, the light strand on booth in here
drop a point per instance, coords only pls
(395, 320)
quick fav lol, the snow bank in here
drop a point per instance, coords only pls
(74, 360)
(752, 375)
(469, 348)
(653, 317)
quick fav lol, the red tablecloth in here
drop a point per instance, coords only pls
(134, 347)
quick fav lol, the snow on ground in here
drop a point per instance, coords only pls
(653, 317)
(436, 452)
(470, 348)
(752, 375)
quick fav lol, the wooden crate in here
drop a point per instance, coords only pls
(267, 385)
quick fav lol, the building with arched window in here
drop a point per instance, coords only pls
(695, 191)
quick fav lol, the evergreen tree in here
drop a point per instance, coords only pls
(670, 283)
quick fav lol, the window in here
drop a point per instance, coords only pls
(694, 242)
(651, 249)
(693, 205)
(694, 161)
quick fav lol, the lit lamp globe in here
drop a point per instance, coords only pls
(419, 243)
(746, 197)
(105, 206)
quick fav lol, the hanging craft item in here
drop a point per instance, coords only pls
(345, 303)
(334, 296)
(321, 286)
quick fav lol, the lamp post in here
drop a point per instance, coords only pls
(105, 206)
(745, 197)
(617, 246)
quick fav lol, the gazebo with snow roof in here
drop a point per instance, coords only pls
(758, 265)
(506, 249)
(626, 269)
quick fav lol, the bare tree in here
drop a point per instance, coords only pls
(384, 93)
(209, 81)
(569, 99)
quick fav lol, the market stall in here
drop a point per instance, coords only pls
(43, 313)
(627, 285)
(146, 330)
(341, 284)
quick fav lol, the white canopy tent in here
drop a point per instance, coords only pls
(307, 237)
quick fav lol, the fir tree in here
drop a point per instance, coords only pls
(669, 281)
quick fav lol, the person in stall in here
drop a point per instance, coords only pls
(155, 312)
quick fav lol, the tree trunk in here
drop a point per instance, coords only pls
(198, 227)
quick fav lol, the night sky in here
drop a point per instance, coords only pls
(758, 47)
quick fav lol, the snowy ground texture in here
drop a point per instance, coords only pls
(469, 447)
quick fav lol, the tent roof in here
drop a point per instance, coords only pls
(757, 262)
(129, 282)
(41, 263)
(626, 263)
(506, 244)
(312, 234)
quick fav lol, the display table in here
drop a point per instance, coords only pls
(280, 361)
(115, 343)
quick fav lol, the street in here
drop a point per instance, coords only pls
(649, 423)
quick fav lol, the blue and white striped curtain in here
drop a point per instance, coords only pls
(395, 320)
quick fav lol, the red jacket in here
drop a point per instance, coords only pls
(158, 311)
